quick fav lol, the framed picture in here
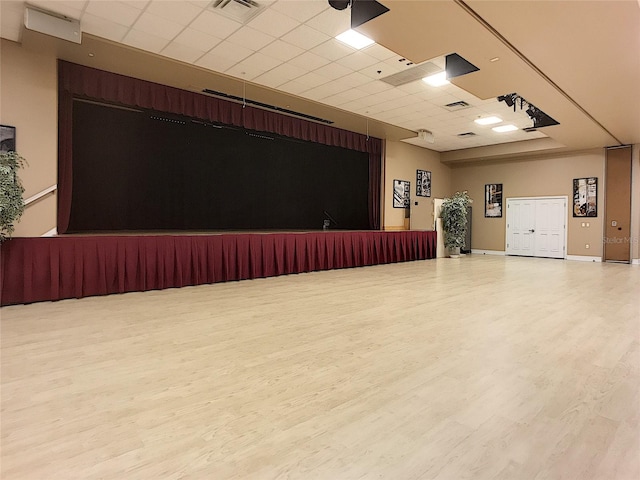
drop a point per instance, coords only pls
(585, 197)
(493, 200)
(401, 193)
(7, 138)
(423, 183)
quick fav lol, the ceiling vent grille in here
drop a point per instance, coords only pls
(460, 105)
(412, 74)
(239, 10)
(466, 134)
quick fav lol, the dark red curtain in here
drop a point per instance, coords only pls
(41, 269)
(86, 82)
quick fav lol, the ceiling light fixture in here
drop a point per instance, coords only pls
(487, 120)
(505, 128)
(437, 80)
(354, 39)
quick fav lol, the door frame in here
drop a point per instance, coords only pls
(544, 197)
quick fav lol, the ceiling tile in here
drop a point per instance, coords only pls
(333, 71)
(200, 3)
(115, 11)
(333, 50)
(250, 38)
(282, 50)
(139, 4)
(413, 87)
(69, 9)
(262, 62)
(305, 37)
(271, 79)
(355, 94)
(355, 79)
(158, 26)
(323, 91)
(145, 41)
(245, 70)
(216, 62)
(197, 39)
(289, 72)
(357, 61)
(385, 70)
(181, 52)
(294, 87)
(335, 100)
(179, 12)
(300, 10)
(331, 22)
(375, 87)
(311, 79)
(273, 23)
(103, 28)
(359, 106)
(214, 24)
(309, 61)
(379, 52)
(231, 51)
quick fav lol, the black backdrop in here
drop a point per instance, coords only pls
(140, 170)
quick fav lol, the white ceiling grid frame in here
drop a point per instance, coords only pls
(157, 26)
(212, 23)
(300, 10)
(305, 37)
(117, 12)
(197, 39)
(250, 38)
(273, 23)
(180, 12)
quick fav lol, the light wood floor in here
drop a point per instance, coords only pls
(477, 368)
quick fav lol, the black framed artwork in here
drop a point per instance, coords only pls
(493, 200)
(401, 193)
(585, 197)
(7, 138)
(423, 183)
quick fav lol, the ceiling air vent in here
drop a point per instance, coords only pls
(412, 74)
(452, 107)
(239, 10)
(466, 134)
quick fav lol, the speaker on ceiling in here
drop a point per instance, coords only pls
(53, 24)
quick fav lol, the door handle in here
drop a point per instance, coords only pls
(531, 231)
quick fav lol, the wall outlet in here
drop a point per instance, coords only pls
(586, 246)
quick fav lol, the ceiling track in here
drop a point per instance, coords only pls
(532, 65)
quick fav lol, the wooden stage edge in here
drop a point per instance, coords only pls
(76, 266)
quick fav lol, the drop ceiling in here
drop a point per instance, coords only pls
(578, 61)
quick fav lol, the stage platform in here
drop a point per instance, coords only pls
(76, 266)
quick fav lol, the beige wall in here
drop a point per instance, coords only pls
(534, 178)
(401, 162)
(28, 89)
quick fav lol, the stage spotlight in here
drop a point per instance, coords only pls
(531, 111)
(339, 4)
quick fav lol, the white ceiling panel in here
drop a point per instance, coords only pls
(311, 79)
(333, 50)
(375, 86)
(69, 9)
(181, 52)
(305, 37)
(355, 79)
(379, 52)
(309, 61)
(103, 28)
(300, 10)
(158, 26)
(230, 51)
(262, 62)
(288, 72)
(331, 22)
(357, 61)
(294, 87)
(273, 23)
(282, 50)
(214, 24)
(145, 41)
(245, 70)
(250, 38)
(197, 40)
(117, 12)
(333, 71)
(176, 11)
(216, 62)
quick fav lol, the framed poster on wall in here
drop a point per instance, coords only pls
(7, 138)
(401, 193)
(423, 183)
(493, 200)
(585, 197)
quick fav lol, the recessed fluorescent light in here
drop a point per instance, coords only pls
(504, 128)
(437, 79)
(354, 39)
(487, 120)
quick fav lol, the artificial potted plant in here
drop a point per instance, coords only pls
(11, 190)
(454, 221)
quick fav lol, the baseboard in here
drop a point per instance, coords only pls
(584, 258)
(487, 252)
(635, 261)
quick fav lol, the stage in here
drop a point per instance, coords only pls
(76, 266)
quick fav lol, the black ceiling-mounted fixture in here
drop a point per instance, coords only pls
(361, 10)
(456, 66)
(540, 119)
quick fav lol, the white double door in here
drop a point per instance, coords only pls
(536, 227)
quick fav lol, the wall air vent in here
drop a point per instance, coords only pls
(466, 134)
(452, 107)
(239, 10)
(412, 74)
(266, 106)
